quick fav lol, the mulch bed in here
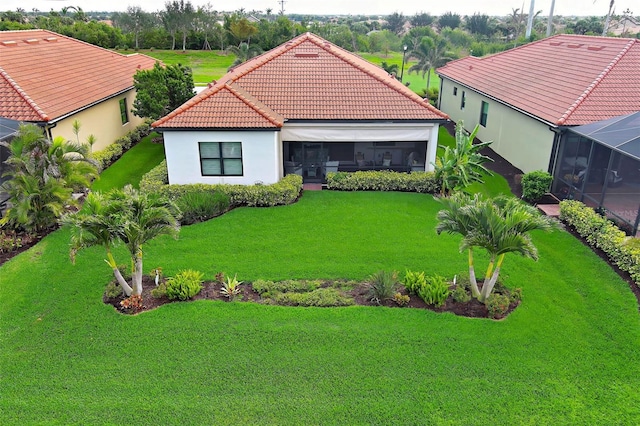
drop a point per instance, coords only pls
(211, 291)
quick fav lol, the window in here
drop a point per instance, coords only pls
(221, 158)
(484, 112)
(124, 116)
(462, 100)
(455, 91)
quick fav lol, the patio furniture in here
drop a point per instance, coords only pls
(614, 178)
(291, 167)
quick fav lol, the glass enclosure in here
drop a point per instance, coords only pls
(313, 160)
(600, 177)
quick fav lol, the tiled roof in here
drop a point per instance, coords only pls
(564, 80)
(308, 78)
(44, 75)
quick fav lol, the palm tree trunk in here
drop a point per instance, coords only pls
(116, 273)
(472, 276)
(428, 81)
(137, 273)
(488, 285)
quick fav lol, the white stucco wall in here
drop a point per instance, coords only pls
(522, 140)
(102, 120)
(261, 156)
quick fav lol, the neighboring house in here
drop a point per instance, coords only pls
(525, 98)
(52, 80)
(306, 107)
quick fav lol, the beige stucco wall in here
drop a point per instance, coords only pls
(524, 141)
(101, 120)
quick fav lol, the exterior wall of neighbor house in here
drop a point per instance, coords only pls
(261, 156)
(522, 140)
(102, 120)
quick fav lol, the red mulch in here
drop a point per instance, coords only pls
(211, 291)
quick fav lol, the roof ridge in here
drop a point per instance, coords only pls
(255, 104)
(32, 104)
(392, 84)
(206, 94)
(563, 119)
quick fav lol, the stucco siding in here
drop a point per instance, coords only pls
(102, 120)
(524, 141)
(261, 156)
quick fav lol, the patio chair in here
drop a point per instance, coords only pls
(291, 167)
(331, 166)
(614, 178)
(386, 159)
(360, 159)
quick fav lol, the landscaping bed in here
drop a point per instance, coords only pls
(347, 293)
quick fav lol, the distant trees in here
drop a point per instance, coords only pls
(480, 25)
(422, 19)
(160, 90)
(395, 22)
(133, 21)
(431, 53)
(449, 19)
(590, 26)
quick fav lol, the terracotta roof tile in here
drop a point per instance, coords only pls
(564, 79)
(44, 75)
(308, 78)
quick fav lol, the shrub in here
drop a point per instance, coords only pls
(132, 303)
(435, 292)
(184, 285)
(231, 288)
(601, 233)
(382, 286)
(497, 305)
(515, 295)
(461, 295)
(321, 297)
(10, 241)
(124, 141)
(270, 288)
(413, 281)
(200, 206)
(284, 192)
(535, 185)
(113, 290)
(160, 291)
(401, 299)
(423, 182)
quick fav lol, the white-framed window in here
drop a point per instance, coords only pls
(220, 158)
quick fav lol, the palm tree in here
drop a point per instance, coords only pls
(462, 165)
(500, 226)
(243, 53)
(431, 53)
(123, 215)
(390, 68)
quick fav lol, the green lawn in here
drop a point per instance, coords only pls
(210, 65)
(567, 355)
(130, 168)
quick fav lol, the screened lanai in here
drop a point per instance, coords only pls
(599, 164)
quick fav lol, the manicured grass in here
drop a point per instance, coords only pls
(417, 83)
(565, 356)
(130, 168)
(205, 65)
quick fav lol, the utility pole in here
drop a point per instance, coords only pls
(550, 21)
(282, 2)
(530, 21)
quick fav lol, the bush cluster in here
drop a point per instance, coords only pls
(321, 297)
(497, 304)
(601, 233)
(382, 286)
(383, 180)
(435, 292)
(284, 192)
(269, 288)
(113, 152)
(535, 185)
(184, 285)
(202, 205)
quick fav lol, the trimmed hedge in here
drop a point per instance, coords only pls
(284, 192)
(384, 180)
(535, 184)
(602, 233)
(113, 152)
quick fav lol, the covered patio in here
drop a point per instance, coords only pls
(599, 164)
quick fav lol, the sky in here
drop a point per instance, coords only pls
(350, 7)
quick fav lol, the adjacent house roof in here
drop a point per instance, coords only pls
(44, 75)
(307, 78)
(564, 80)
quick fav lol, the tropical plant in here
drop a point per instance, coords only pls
(126, 216)
(231, 288)
(435, 292)
(243, 52)
(184, 285)
(500, 226)
(42, 175)
(462, 165)
(390, 68)
(431, 52)
(413, 281)
(382, 286)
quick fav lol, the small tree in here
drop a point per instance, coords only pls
(128, 216)
(160, 90)
(462, 165)
(500, 226)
